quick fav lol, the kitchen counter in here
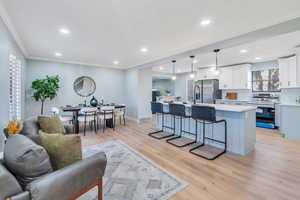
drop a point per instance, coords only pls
(296, 105)
(225, 107)
(241, 127)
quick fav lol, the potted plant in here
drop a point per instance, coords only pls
(44, 89)
(297, 100)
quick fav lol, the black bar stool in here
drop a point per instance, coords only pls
(207, 115)
(157, 108)
(178, 110)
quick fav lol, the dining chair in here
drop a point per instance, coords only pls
(107, 113)
(56, 111)
(88, 115)
(120, 113)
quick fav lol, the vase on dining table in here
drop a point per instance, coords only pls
(94, 102)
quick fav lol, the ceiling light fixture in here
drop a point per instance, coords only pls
(216, 67)
(64, 31)
(116, 62)
(174, 74)
(161, 68)
(205, 22)
(144, 50)
(58, 54)
(192, 74)
(243, 51)
(257, 58)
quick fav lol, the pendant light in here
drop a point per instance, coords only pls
(217, 69)
(174, 71)
(192, 74)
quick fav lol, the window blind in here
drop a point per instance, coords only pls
(15, 68)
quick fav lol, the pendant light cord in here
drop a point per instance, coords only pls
(217, 51)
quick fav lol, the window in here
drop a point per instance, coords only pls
(265, 81)
(14, 88)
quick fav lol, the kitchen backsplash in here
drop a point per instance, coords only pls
(289, 96)
(242, 94)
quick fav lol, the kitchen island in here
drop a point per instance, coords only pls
(241, 127)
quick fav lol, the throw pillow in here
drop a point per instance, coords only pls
(14, 127)
(25, 159)
(63, 150)
(51, 124)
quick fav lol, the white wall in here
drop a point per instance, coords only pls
(109, 84)
(145, 94)
(7, 46)
(131, 97)
(138, 84)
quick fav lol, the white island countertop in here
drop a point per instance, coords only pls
(224, 107)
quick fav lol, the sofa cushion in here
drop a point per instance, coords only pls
(51, 124)
(8, 184)
(63, 150)
(25, 159)
(31, 129)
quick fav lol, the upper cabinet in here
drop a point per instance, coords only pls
(289, 73)
(235, 77)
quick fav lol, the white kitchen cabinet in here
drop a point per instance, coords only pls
(225, 79)
(289, 121)
(235, 77)
(289, 73)
(204, 74)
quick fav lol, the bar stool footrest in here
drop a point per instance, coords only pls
(159, 135)
(205, 157)
(178, 138)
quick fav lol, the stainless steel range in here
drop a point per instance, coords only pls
(265, 112)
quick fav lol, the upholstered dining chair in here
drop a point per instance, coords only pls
(107, 113)
(120, 113)
(88, 115)
(56, 111)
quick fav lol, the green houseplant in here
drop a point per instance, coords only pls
(44, 89)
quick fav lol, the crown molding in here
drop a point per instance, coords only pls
(11, 28)
(74, 63)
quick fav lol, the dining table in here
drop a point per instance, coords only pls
(76, 109)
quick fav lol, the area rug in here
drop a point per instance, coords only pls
(131, 176)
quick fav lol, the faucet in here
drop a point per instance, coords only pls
(196, 87)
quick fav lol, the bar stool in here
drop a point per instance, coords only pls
(207, 115)
(157, 108)
(178, 110)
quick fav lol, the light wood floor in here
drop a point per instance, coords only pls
(272, 171)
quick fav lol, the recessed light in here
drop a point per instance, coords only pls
(243, 51)
(144, 50)
(58, 54)
(257, 58)
(205, 22)
(64, 31)
(116, 62)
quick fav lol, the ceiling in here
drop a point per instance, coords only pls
(116, 30)
(265, 50)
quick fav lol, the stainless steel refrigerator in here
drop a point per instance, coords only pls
(207, 91)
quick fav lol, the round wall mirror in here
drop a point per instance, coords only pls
(84, 86)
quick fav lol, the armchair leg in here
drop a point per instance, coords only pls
(100, 190)
(98, 183)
